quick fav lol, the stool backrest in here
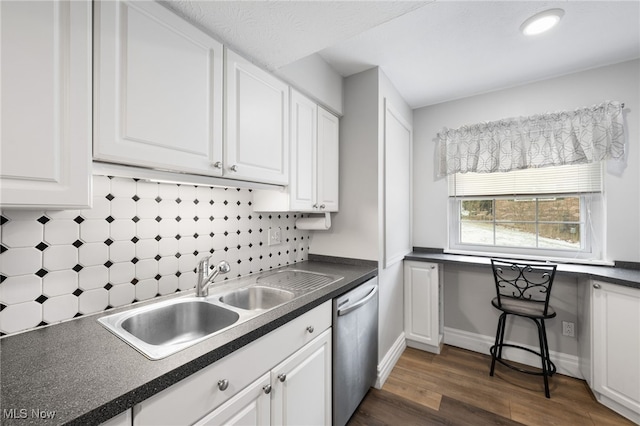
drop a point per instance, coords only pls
(525, 281)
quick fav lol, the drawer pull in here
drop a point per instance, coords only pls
(267, 389)
(223, 384)
(310, 329)
(233, 168)
(282, 377)
(217, 164)
(596, 286)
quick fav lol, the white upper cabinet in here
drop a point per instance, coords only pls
(327, 161)
(158, 90)
(313, 186)
(257, 123)
(304, 140)
(45, 104)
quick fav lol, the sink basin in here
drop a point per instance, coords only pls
(257, 298)
(179, 322)
(162, 329)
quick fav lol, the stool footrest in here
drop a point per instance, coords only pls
(551, 369)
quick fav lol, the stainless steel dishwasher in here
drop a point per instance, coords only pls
(355, 348)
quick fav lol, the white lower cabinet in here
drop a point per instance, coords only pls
(235, 389)
(301, 392)
(251, 406)
(615, 347)
(423, 313)
(122, 419)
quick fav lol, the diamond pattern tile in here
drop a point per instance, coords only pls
(139, 241)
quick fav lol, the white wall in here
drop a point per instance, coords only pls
(353, 230)
(615, 82)
(314, 77)
(469, 290)
(357, 229)
(391, 314)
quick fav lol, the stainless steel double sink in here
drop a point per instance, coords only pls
(164, 328)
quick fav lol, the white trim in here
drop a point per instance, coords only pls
(617, 407)
(390, 359)
(166, 176)
(427, 348)
(568, 365)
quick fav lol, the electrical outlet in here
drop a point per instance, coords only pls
(568, 329)
(274, 236)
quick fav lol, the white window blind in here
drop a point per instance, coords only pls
(569, 179)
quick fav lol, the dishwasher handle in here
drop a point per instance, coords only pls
(356, 305)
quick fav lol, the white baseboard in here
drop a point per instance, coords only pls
(634, 416)
(568, 365)
(390, 359)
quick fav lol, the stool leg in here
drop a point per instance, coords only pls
(550, 367)
(497, 348)
(543, 356)
(502, 331)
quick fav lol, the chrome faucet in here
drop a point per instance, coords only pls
(205, 278)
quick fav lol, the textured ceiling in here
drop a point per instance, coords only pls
(454, 49)
(431, 51)
(276, 33)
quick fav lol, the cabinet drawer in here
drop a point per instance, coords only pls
(192, 398)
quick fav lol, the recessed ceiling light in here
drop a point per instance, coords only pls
(541, 22)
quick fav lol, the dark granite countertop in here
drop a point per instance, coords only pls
(85, 375)
(628, 277)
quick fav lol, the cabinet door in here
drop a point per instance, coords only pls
(45, 104)
(302, 385)
(250, 407)
(158, 90)
(123, 419)
(616, 344)
(327, 161)
(302, 187)
(421, 305)
(257, 123)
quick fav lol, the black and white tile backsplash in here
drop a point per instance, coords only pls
(140, 240)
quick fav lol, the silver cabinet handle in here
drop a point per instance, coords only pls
(322, 206)
(315, 206)
(282, 377)
(596, 286)
(217, 164)
(234, 168)
(223, 384)
(310, 329)
(266, 389)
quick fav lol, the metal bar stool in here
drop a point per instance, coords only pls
(524, 289)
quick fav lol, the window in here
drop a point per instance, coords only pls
(553, 212)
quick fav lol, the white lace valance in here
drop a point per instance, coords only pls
(585, 135)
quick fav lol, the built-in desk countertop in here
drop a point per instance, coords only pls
(628, 277)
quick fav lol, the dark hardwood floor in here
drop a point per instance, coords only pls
(454, 388)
